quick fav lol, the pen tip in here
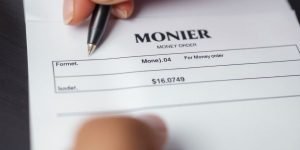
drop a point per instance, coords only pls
(91, 49)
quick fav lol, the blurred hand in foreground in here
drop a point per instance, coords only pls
(122, 133)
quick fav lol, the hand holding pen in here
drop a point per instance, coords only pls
(75, 11)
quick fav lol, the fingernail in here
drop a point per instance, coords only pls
(68, 11)
(122, 13)
(158, 125)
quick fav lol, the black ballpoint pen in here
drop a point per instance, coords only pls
(98, 24)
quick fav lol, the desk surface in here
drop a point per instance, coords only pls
(14, 124)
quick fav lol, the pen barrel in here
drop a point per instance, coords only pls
(98, 24)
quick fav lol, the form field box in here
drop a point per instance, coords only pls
(194, 67)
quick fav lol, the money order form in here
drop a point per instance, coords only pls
(226, 82)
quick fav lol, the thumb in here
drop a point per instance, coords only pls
(122, 133)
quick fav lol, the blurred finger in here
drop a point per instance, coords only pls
(109, 2)
(122, 133)
(123, 10)
(75, 11)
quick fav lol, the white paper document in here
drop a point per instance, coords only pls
(220, 82)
